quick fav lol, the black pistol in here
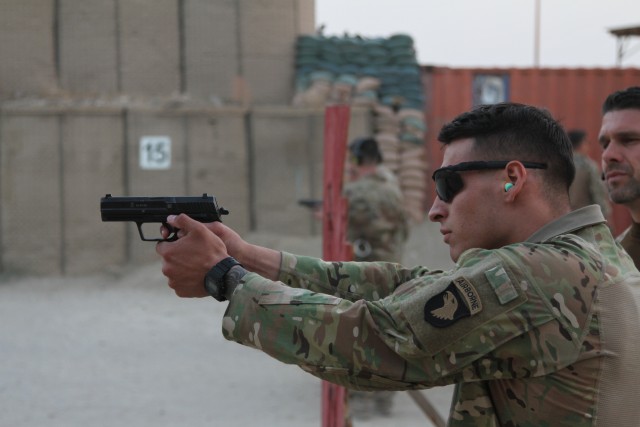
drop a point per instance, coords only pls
(310, 203)
(142, 210)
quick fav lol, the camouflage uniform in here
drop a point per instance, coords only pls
(378, 229)
(630, 241)
(377, 216)
(587, 187)
(538, 333)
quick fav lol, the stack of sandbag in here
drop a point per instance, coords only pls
(366, 91)
(412, 175)
(384, 75)
(413, 163)
(400, 135)
(316, 92)
(389, 145)
(347, 60)
(412, 125)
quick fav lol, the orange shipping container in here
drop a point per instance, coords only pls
(572, 95)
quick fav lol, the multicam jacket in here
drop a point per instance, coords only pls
(538, 333)
(629, 239)
(378, 225)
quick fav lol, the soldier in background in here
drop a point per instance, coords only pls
(587, 187)
(620, 141)
(378, 229)
(378, 224)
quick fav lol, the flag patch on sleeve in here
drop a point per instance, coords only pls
(501, 284)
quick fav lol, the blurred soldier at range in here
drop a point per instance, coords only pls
(378, 224)
(587, 187)
(377, 228)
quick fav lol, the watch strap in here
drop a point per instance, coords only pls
(214, 280)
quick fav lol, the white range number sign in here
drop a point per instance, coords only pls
(155, 152)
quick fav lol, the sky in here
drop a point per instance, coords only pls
(493, 33)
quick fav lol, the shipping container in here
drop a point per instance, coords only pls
(572, 95)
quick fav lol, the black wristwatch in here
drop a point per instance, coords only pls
(214, 279)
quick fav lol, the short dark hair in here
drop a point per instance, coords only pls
(628, 98)
(365, 150)
(576, 136)
(512, 131)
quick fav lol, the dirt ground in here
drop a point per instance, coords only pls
(119, 349)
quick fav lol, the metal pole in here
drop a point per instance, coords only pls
(427, 408)
(619, 50)
(536, 37)
(334, 226)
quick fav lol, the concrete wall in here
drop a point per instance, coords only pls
(212, 49)
(88, 46)
(82, 81)
(27, 53)
(30, 210)
(223, 51)
(149, 47)
(91, 153)
(57, 162)
(287, 154)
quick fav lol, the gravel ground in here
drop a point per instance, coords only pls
(119, 349)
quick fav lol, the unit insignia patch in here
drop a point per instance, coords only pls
(458, 300)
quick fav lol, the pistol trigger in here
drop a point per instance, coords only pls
(173, 233)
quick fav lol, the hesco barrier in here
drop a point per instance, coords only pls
(222, 51)
(572, 95)
(57, 161)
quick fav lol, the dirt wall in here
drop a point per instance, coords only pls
(56, 162)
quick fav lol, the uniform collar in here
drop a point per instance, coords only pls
(575, 220)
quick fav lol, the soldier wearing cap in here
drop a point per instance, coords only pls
(378, 224)
(536, 324)
(377, 229)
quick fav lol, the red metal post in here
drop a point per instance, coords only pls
(334, 226)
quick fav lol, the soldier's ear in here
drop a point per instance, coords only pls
(515, 178)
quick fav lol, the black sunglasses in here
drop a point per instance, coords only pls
(449, 182)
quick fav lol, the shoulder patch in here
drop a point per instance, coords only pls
(458, 300)
(469, 293)
(445, 331)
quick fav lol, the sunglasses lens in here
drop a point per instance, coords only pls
(448, 184)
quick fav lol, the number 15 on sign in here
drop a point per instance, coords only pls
(155, 152)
